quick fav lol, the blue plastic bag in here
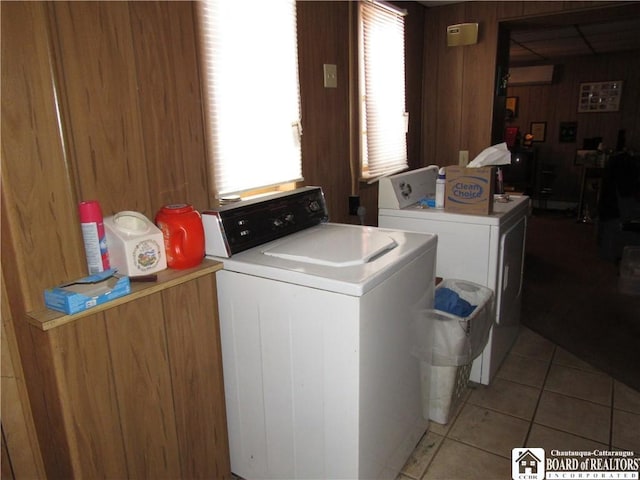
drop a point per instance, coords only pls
(446, 300)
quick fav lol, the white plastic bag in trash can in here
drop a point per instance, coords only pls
(444, 339)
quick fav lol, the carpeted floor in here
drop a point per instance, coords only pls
(571, 297)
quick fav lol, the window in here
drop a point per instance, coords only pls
(252, 93)
(383, 116)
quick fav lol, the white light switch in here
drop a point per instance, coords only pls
(330, 75)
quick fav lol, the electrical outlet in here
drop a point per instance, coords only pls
(463, 158)
(354, 204)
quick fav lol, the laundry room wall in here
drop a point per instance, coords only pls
(558, 102)
(101, 100)
(459, 107)
(325, 30)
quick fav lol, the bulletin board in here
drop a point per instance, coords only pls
(600, 96)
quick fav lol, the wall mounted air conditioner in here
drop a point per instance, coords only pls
(534, 75)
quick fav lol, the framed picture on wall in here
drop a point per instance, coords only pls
(512, 107)
(539, 131)
(568, 132)
(595, 97)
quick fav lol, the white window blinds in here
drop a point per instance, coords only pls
(383, 116)
(252, 93)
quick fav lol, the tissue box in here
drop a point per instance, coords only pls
(87, 292)
(469, 190)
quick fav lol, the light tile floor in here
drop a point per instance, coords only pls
(542, 397)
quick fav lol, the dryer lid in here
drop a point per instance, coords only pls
(334, 247)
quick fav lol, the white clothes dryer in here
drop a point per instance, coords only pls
(484, 249)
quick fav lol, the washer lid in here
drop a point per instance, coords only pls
(334, 247)
(348, 279)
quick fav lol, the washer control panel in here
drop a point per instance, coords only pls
(245, 224)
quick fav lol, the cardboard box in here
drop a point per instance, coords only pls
(469, 190)
(87, 292)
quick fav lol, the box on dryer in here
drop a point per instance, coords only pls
(469, 190)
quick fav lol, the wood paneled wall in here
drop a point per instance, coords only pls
(100, 100)
(323, 36)
(558, 103)
(21, 453)
(325, 29)
(459, 85)
(459, 82)
(134, 121)
(104, 104)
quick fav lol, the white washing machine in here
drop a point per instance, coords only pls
(316, 338)
(485, 249)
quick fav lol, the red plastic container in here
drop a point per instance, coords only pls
(183, 234)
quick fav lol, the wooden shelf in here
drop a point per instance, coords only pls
(46, 319)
